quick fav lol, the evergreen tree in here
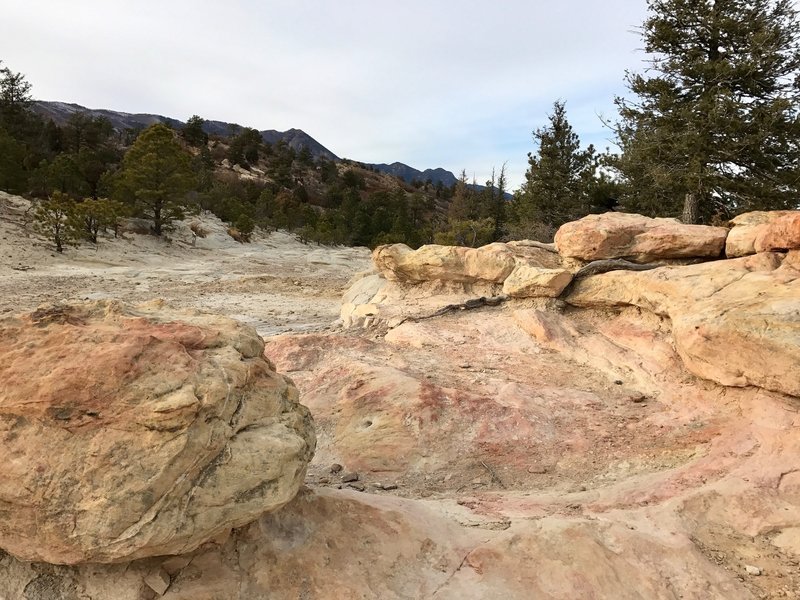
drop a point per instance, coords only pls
(494, 203)
(156, 176)
(193, 132)
(94, 215)
(15, 100)
(560, 175)
(12, 156)
(245, 147)
(714, 126)
(53, 218)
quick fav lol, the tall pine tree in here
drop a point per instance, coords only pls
(560, 175)
(156, 177)
(714, 127)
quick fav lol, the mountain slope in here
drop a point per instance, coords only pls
(410, 174)
(60, 112)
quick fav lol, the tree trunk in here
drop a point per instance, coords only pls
(157, 219)
(691, 208)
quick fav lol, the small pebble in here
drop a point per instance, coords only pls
(349, 477)
(336, 468)
(751, 570)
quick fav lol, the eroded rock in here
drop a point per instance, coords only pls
(398, 262)
(746, 228)
(735, 322)
(535, 282)
(780, 234)
(132, 432)
(638, 238)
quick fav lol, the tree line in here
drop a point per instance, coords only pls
(709, 130)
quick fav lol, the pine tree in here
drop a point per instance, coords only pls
(54, 219)
(156, 176)
(193, 132)
(714, 127)
(560, 175)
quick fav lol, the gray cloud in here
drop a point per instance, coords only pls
(437, 83)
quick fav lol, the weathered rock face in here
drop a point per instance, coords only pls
(781, 234)
(490, 263)
(638, 238)
(535, 282)
(338, 545)
(357, 300)
(133, 432)
(746, 228)
(735, 322)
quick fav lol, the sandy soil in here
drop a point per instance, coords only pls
(276, 283)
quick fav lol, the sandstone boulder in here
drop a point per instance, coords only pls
(357, 303)
(746, 228)
(637, 238)
(735, 322)
(535, 282)
(132, 432)
(398, 262)
(780, 234)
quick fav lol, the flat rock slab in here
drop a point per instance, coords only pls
(638, 238)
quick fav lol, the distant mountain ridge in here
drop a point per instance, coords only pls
(60, 112)
(410, 174)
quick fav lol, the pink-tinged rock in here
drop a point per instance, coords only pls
(133, 432)
(735, 322)
(638, 238)
(780, 235)
(747, 227)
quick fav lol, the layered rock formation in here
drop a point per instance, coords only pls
(134, 432)
(517, 424)
(638, 238)
(735, 322)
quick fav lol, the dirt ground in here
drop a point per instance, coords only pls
(276, 283)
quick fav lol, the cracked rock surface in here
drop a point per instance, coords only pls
(133, 432)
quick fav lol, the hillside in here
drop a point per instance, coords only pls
(297, 139)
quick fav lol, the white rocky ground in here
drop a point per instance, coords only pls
(622, 444)
(276, 283)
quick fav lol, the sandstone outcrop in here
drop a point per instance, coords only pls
(398, 262)
(780, 234)
(133, 432)
(735, 322)
(638, 238)
(631, 435)
(535, 282)
(331, 544)
(746, 228)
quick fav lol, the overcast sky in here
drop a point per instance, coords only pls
(432, 84)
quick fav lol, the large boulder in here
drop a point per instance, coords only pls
(735, 322)
(637, 238)
(747, 227)
(398, 262)
(133, 432)
(781, 234)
